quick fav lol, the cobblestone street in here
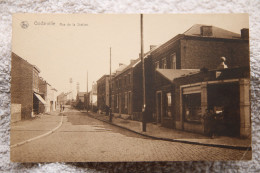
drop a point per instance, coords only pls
(81, 138)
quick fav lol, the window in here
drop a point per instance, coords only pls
(117, 101)
(173, 61)
(157, 65)
(126, 103)
(168, 107)
(192, 107)
(129, 78)
(164, 63)
(120, 83)
(112, 101)
(169, 99)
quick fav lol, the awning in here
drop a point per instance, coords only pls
(171, 74)
(40, 98)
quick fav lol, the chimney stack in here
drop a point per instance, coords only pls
(120, 64)
(206, 31)
(245, 33)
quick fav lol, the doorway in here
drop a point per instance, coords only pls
(224, 99)
(129, 103)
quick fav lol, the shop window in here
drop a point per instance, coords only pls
(192, 107)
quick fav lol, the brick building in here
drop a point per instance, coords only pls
(25, 87)
(122, 90)
(103, 93)
(127, 95)
(200, 47)
(49, 94)
(184, 77)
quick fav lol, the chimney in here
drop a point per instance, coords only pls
(245, 33)
(132, 61)
(206, 31)
(120, 64)
(152, 47)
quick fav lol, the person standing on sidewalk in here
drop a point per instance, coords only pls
(60, 107)
(210, 122)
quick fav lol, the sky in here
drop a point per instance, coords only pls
(65, 46)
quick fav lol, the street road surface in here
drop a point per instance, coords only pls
(84, 139)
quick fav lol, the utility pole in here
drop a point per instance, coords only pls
(110, 88)
(87, 96)
(143, 74)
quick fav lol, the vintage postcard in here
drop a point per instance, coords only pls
(130, 87)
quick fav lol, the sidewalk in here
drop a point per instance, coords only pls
(162, 133)
(27, 129)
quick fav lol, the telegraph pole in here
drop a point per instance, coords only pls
(87, 96)
(143, 74)
(110, 88)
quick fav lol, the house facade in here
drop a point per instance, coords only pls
(25, 87)
(127, 94)
(122, 90)
(93, 95)
(103, 93)
(62, 98)
(49, 94)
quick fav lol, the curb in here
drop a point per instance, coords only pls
(177, 140)
(40, 136)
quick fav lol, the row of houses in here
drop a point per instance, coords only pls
(87, 100)
(204, 68)
(30, 93)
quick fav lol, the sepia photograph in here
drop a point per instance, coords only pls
(130, 87)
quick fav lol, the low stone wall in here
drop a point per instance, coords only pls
(15, 113)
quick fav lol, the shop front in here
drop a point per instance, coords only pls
(220, 105)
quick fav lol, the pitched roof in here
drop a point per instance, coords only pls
(216, 32)
(171, 74)
(132, 63)
(119, 69)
